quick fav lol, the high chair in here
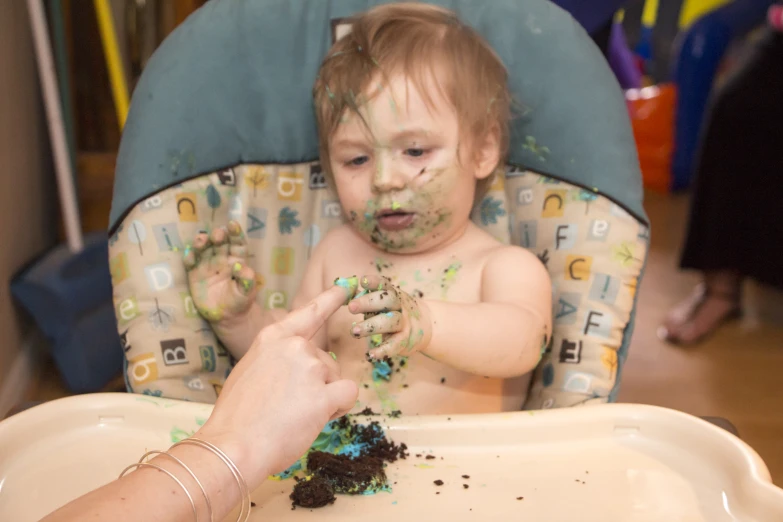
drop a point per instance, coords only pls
(222, 127)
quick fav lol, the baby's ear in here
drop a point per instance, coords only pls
(487, 153)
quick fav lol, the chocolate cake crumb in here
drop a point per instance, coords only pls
(418, 455)
(346, 474)
(520, 498)
(366, 385)
(466, 476)
(437, 492)
(313, 493)
(252, 504)
(404, 385)
(438, 482)
(465, 486)
(379, 446)
(367, 411)
(442, 380)
(430, 457)
(395, 414)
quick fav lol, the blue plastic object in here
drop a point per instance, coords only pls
(698, 56)
(70, 298)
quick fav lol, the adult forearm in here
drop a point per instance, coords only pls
(151, 495)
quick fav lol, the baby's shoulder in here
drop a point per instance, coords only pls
(498, 258)
(488, 249)
(338, 243)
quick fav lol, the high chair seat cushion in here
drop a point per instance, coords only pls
(593, 248)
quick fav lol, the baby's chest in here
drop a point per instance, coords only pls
(443, 280)
(448, 278)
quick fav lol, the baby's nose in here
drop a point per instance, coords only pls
(388, 177)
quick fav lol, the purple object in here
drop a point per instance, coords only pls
(621, 60)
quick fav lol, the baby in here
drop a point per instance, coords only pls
(413, 110)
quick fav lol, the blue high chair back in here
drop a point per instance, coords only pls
(222, 127)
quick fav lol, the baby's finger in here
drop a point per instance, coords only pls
(236, 239)
(382, 301)
(190, 258)
(245, 279)
(387, 322)
(390, 348)
(374, 283)
(202, 247)
(235, 234)
(219, 239)
(402, 343)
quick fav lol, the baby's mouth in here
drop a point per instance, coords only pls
(394, 220)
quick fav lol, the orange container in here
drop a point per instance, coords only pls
(652, 111)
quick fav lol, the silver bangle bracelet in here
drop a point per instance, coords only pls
(178, 481)
(244, 511)
(190, 472)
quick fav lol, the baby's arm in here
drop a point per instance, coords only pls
(503, 335)
(224, 287)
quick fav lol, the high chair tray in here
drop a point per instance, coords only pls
(616, 462)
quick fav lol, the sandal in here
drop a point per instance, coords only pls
(689, 310)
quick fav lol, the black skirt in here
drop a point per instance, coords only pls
(736, 220)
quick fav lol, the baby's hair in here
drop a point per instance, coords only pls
(422, 42)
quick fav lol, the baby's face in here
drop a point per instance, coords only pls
(403, 179)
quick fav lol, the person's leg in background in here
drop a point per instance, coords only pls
(736, 223)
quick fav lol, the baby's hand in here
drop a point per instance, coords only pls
(221, 284)
(396, 322)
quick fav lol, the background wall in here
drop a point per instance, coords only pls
(28, 206)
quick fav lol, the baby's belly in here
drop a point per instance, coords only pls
(419, 385)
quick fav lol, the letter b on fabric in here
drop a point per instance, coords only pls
(174, 352)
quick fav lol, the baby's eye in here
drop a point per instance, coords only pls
(415, 153)
(357, 161)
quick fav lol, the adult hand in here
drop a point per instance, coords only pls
(281, 394)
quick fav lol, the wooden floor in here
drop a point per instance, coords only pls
(736, 374)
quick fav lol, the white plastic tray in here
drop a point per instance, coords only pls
(599, 463)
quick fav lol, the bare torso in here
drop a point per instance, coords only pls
(417, 385)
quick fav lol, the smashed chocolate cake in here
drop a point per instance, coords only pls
(347, 475)
(312, 492)
(358, 471)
